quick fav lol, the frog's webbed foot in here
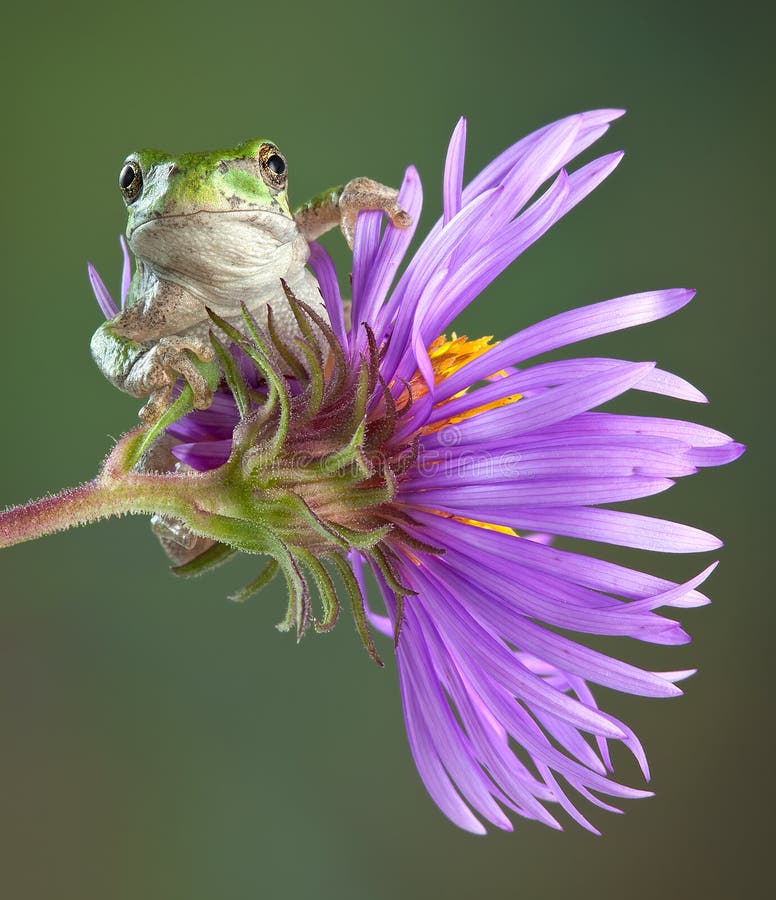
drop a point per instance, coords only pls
(364, 193)
(156, 372)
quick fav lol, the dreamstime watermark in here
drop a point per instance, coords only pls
(471, 466)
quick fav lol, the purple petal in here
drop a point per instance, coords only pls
(321, 264)
(104, 299)
(501, 705)
(393, 246)
(367, 242)
(568, 328)
(592, 665)
(453, 177)
(500, 498)
(381, 623)
(502, 601)
(481, 268)
(716, 456)
(448, 468)
(542, 161)
(449, 742)
(615, 527)
(424, 752)
(546, 409)
(564, 194)
(556, 373)
(487, 735)
(673, 596)
(504, 668)
(587, 178)
(588, 571)
(204, 455)
(655, 432)
(428, 265)
(593, 125)
(126, 270)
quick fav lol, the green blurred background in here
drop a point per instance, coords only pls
(159, 742)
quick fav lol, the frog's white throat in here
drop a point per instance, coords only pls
(223, 257)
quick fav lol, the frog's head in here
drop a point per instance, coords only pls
(249, 177)
(219, 218)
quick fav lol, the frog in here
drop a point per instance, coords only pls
(212, 231)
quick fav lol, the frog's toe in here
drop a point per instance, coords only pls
(200, 348)
(201, 391)
(157, 404)
(203, 396)
(173, 355)
(348, 229)
(399, 217)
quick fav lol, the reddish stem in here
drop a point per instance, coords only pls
(74, 506)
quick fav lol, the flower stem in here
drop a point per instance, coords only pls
(90, 502)
(74, 506)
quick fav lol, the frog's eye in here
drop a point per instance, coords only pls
(273, 166)
(131, 181)
(277, 164)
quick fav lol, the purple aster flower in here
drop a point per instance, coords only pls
(443, 467)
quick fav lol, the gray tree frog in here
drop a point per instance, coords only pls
(215, 230)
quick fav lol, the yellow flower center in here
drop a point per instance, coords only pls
(447, 357)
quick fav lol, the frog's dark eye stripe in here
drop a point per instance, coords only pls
(131, 181)
(272, 165)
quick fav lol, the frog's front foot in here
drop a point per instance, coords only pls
(156, 372)
(363, 193)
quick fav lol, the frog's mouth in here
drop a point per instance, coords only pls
(276, 222)
(221, 252)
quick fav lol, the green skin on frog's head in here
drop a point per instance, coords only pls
(251, 176)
